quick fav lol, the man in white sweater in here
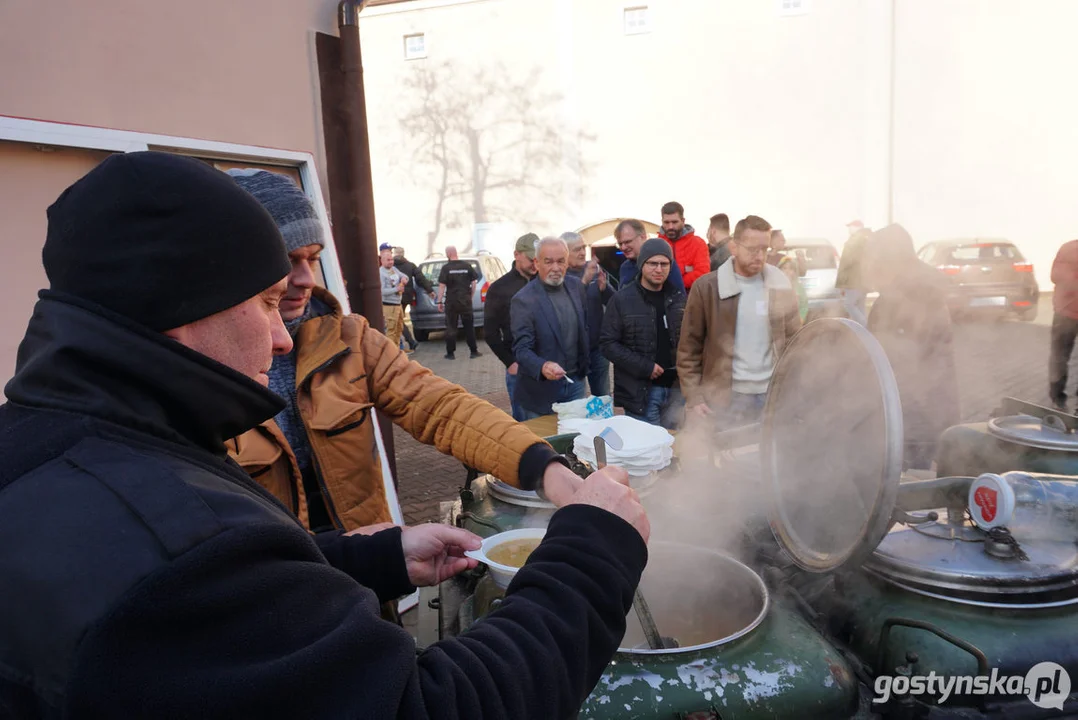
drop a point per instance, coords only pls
(737, 322)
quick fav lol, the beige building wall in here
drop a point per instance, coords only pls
(725, 107)
(735, 107)
(30, 180)
(237, 72)
(490, 77)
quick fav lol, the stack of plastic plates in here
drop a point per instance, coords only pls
(644, 449)
(571, 425)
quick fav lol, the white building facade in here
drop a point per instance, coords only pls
(490, 118)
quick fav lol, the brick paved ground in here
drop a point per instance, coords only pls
(995, 359)
(425, 477)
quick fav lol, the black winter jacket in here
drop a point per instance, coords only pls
(913, 325)
(595, 300)
(143, 574)
(497, 327)
(411, 271)
(629, 341)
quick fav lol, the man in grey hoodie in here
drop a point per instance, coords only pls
(393, 284)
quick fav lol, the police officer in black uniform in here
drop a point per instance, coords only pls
(456, 287)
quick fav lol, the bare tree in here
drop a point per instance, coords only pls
(492, 143)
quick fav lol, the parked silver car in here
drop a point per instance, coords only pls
(820, 266)
(425, 314)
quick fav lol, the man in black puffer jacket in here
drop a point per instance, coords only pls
(416, 280)
(143, 574)
(640, 336)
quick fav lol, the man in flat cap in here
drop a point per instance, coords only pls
(497, 326)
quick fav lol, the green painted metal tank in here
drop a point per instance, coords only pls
(1021, 436)
(743, 651)
(890, 565)
(488, 506)
(858, 575)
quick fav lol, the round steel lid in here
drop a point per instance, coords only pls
(959, 569)
(1046, 434)
(832, 445)
(515, 496)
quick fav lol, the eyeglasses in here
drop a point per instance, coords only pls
(758, 250)
(657, 265)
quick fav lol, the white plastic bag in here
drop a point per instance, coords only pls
(589, 408)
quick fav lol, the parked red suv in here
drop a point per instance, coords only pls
(985, 275)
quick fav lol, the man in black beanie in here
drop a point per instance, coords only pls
(146, 575)
(640, 336)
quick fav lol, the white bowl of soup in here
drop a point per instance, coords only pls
(506, 552)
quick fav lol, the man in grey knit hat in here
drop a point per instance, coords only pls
(319, 456)
(304, 240)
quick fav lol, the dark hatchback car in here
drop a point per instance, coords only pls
(985, 275)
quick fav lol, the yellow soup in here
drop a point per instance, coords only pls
(514, 553)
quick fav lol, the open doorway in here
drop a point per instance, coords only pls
(600, 238)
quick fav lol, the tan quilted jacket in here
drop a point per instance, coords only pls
(343, 370)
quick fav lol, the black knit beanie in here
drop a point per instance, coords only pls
(161, 239)
(653, 247)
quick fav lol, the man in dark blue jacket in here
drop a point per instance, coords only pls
(148, 576)
(550, 333)
(597, 293)
(630, 235)
(640, 336)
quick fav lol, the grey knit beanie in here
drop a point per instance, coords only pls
(653, 247)
(290, 207)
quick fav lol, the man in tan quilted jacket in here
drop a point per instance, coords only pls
(318, 455)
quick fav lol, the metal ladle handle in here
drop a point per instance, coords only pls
(643, 611)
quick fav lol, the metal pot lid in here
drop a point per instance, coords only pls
(960, 570)
(832, 445)
(515, 496)
(1048, 433)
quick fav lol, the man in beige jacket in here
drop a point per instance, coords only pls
(737, 322)
(318, 456)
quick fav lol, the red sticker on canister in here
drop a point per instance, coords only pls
(985, 498)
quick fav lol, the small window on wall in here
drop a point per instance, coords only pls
(637, 20)
(793, 7)
(415, 46)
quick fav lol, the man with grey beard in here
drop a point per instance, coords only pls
(550, 333)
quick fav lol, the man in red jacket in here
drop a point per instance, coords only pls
(690, 250)
(1064, 320)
